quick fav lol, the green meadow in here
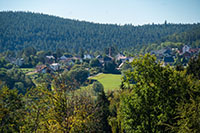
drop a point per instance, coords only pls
(109, 81)
(27, 70)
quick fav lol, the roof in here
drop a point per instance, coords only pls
(107, 58)
(121, 64)
(68, 55)
(87, 56)
(168, 59)
(50, 57)
(55, 64)
(167, 51)
(63, 57)
(193, 50)
(76, 58)
(40, 67)
(130, 59)
(121, 57)
(99, 56)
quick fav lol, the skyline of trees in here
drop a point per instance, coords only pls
(19, 30)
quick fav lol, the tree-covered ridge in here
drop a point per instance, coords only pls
(190, 37)
(22, 29)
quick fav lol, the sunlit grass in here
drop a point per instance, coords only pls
(27, 70)
(109, 81)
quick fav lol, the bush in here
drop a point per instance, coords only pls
(79, 74)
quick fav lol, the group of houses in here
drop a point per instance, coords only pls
(16, 61)
(48, 68)
(169, 55)
(52, 64)
(68, 61)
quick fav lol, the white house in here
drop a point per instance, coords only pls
(55, 66)
(87, 56)
(185, 48)
(19, 61)
(121, 57)
(63, 57)
(50, 57)
(130, 59)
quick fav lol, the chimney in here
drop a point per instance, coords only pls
(110, 52)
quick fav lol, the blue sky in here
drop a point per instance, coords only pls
(136, 12)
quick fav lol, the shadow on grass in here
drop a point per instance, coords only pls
(89, 81)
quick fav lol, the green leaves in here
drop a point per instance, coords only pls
(150, 104)
(79, 74)
(194, 67)
(11, 110)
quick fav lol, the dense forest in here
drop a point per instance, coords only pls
(19, 30)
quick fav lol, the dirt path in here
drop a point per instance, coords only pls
(29, 73)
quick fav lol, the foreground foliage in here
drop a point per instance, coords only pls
(160, 100)
(58, 110)
(152, 98)
(11, 110)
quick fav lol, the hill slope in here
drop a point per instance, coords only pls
(22, 29)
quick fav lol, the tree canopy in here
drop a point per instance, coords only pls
(158, 99)
(19, 30)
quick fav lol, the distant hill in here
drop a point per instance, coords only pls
(23, 29)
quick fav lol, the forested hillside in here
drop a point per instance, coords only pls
(52, 76)
(23, 29)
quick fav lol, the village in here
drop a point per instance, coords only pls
(167, 55)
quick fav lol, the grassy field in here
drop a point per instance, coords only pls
(109, 81)
(27, 70)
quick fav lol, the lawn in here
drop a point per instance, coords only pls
(109, 81)
(27, 70)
